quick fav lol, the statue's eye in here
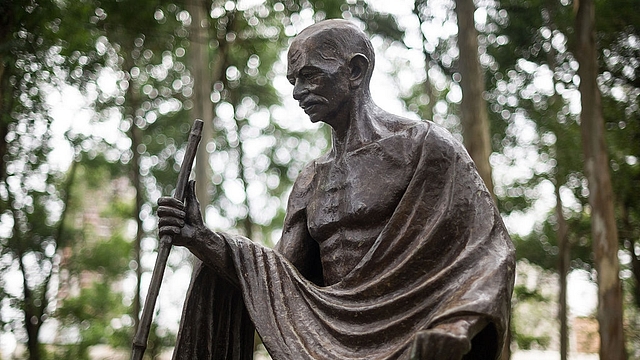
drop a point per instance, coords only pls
(312, 76)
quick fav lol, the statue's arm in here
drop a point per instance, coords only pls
(296, 244)
(450, 339)
(212, 250)
(467, 326)
(183, 222)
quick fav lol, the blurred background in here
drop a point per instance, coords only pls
(97, 98)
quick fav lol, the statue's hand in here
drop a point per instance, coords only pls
(182, 221)
(437, 344)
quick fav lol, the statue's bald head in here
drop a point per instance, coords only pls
(335, 40)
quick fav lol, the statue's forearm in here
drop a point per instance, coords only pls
(212, 250)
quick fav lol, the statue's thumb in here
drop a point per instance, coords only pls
(193, 205)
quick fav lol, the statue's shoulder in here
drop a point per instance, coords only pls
(306, 175)
(441, 138)
(421, 137)
(405, 133)
(426, 130)
(303, 185)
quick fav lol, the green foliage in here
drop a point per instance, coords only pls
(106, 258)
(92, 314)
(531, 85)
(439, 67)
(531, 303)
(632, 325)
(541, 247)
(528, 342)
(33, 191)
(541, 41)
(91, 307)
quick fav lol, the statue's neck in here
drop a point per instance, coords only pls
(360, 128)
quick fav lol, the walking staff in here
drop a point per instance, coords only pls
(142, 334)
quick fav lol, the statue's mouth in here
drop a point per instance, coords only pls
(308, 108)
(309, 105)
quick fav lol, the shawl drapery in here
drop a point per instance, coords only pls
(442, 255)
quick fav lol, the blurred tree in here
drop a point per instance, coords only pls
(90, 309)
(39, 52)
(453, 55)
(603, 224)
(543, 41)
(533, 84)
(474, 119)
(421, 11)
(532, 293)
(617, 34)
(34, 61)
(434, 97)
(240, 46)
(142, 49)
(201, 69)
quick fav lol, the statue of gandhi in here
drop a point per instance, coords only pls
(392, 247)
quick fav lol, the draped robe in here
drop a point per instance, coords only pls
(394, 238)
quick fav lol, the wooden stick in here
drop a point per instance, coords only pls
(142, 334)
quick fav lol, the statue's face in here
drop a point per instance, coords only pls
(320, 80)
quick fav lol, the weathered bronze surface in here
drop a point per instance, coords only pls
(392, 246)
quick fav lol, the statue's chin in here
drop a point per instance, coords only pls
(313, 116)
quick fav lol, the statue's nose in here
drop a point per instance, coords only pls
(299, 90)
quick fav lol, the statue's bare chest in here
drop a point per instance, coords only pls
(359, 191)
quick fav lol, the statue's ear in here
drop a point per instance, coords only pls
(358, 66)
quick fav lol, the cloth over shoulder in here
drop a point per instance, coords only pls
(443, 254)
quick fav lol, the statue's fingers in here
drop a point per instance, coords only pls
(167, 211)
(193, 205)
(170, 221)
(170, 202)
(169, 230)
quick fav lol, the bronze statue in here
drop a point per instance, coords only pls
(392, 246)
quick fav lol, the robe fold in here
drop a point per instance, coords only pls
(440, 253)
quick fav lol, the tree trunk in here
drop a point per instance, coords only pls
(4, 117)
(202, 106)
(635, 268)
(36, 301)
(474, 117)
(136, 136)
(475, 121)
(132, 102)
(596, 163)
(562, 234)
(247, 222)
(427, 86)
(629, 229)
(564, 251)
(32, 312)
